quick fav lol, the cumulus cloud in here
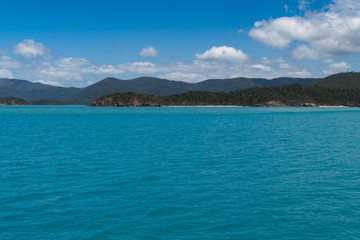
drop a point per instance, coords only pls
(332, 31)
(223, 53)
(215, 63)
(4, 73)
(76, 71)
(148, 52)
(31, 49)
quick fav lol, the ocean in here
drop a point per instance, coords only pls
(75, 172)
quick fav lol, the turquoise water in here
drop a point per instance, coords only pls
(73, 172)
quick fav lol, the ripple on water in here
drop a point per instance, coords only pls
(179, 173)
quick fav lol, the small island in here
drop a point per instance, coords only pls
(286, 96)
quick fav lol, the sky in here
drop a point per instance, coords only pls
(77, 43)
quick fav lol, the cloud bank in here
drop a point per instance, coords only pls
(33, 61)
(330, 32)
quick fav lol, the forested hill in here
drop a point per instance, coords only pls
(340, 80)
(33, 91)
(47, 94)
(293, 95)
(162, 87)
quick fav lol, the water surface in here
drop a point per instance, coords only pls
(74, 172)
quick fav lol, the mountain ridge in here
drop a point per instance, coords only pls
(163, 87)
(156, 86)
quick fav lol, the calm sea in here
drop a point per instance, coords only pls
(74, 172)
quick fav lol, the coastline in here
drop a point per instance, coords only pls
(205, 106)
(324, 106)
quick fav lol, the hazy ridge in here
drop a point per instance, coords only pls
(160, 87)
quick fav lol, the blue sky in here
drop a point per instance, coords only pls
(76, 43)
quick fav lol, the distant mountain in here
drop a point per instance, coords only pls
(33, 91)
(142, 85)
(46, 94)
(162, 87)
(340, 80)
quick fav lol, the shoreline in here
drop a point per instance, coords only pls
(172, 106)
(323, 106)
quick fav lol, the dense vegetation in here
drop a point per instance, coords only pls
(340, 80)
(13, 101)
(20, 101)
(48, 102)
(38, 91)
(33, 91)
(163, 87)
(293, 95)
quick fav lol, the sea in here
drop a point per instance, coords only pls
(77, 172)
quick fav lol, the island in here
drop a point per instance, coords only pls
(295, 95)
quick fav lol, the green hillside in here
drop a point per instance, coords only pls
(340, 80)
(293, 95)
(13, 101)
(163, 87)
(33, 91)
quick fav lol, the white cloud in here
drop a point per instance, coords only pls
(139, 67)
(342, 66)
(148, 52)
(103, 70)
(223, 53)
(4, 73)
(261, 67)
(215, 63)
(8, 62)
(337, 67)
(333, 31)
(181, 76)
(31, 49)
(306, 52)
(266, 60)
(52, 73)
(77, 71)
(72, 62)
(284, 66)
(53, 83)
(303, 5)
